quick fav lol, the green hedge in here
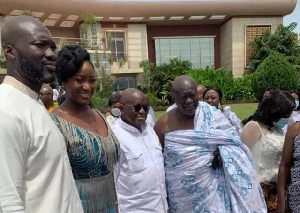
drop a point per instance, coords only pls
(232, 88)
(275, 71)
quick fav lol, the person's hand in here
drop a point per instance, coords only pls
(217, 160)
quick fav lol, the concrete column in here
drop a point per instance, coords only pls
(233, 41)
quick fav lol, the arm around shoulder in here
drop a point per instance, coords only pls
(13, 151)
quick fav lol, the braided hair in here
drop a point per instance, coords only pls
(70, 60)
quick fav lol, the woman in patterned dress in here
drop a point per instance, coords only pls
(265, 138)
(93, 149)
(289, 172)
(213, 96)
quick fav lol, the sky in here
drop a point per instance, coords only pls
(293, 17)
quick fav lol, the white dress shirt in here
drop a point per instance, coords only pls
(35, 175)
(151, 118)
(139, 174)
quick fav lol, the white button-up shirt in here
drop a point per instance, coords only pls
(35, 173)
(139, 174)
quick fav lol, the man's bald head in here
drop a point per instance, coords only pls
(129, 96)
(184, 92)
(134, 108)
(200, 90)
(47, 88)
(17, 26)
(29, 51)
(46, 95)
(183, 82)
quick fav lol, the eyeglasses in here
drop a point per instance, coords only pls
(138, 107)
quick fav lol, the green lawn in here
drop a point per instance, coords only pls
(241, 110)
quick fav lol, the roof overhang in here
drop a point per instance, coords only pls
(69, 13)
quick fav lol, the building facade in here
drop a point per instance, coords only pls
(208, 33)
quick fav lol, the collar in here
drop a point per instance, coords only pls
(20, 86)
(130, 128)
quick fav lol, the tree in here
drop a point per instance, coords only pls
(163, 75)
(147, 68)
(275, 71)
(27, 13)
(282, 41)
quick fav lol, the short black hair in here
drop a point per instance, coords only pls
(115, 98)
(280, 104)
(70, 60)
(216, 89)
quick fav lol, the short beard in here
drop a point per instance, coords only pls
(33, 72)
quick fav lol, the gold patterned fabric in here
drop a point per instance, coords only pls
(92, 158)
(271, 195)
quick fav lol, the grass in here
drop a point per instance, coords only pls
(242, 110)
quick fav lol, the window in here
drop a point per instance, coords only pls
(103, 61)
(199, 51)
(116, 44)
(122, 83)
(251, 33)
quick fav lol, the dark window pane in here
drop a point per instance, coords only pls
(120, 46)
(120, 35)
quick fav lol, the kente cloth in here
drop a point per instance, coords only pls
(92, 158)
(193, 185)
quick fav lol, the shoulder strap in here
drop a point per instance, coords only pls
(262, 132)
(104, 119)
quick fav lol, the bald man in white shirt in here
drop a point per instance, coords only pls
(139, 174)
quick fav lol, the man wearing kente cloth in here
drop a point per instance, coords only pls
(208, 169)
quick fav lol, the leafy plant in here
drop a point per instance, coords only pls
(275, 71)
(241, 89)
(232, 88)
(282, 41)
(147, 66)
(163, 75)
(88, 19)
(61, 43)
(2, 60)
(27, 13)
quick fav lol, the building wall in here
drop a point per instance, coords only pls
(137, 49)
(233, 41)
(183, 30)
(64, 32)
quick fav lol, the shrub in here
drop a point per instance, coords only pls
(164, 74)
(212, 77)
(232, 88)
(99, 102)
(282, 41)
(152, 99)
(274, 71)
(241, 89)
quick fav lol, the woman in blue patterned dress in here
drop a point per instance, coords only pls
(93, 149)
(289, 172)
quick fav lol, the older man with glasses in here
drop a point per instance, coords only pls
(139, 174)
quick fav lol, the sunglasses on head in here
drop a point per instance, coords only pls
(138, 107)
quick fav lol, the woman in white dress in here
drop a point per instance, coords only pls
(265, 138)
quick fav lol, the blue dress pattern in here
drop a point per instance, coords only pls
(193, 186)
(92, 158)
